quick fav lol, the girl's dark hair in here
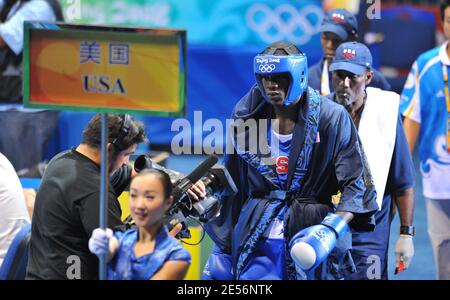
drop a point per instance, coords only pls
(443, 4)
(163, 178)
(120, 140)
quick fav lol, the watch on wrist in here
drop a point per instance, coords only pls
(409, 230)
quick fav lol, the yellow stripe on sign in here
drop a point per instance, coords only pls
(194, 271)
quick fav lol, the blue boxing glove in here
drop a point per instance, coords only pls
(312, 245)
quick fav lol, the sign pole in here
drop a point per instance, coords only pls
(103, 190)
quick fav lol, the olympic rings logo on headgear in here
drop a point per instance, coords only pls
(265, 68)
(298, 21)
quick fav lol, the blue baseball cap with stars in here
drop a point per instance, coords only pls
(341, 22)
(353, 57)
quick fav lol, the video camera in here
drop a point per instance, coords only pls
(216, 179)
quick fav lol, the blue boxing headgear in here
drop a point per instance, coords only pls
(295, 65)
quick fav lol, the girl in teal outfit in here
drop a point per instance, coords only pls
(147, 251)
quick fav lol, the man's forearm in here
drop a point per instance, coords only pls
(404, 201)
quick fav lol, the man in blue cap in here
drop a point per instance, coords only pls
(338, 26)
(375, 114)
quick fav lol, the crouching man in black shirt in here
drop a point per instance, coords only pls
(67, 203)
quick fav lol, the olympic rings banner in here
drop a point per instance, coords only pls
(218, 22)
(106, 69)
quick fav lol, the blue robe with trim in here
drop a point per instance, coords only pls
(335, 163)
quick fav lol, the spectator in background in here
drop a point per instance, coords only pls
(425, 104)
(25, 132)
(13, 212)
(338, 26)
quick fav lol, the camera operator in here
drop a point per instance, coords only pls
(67, 203)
